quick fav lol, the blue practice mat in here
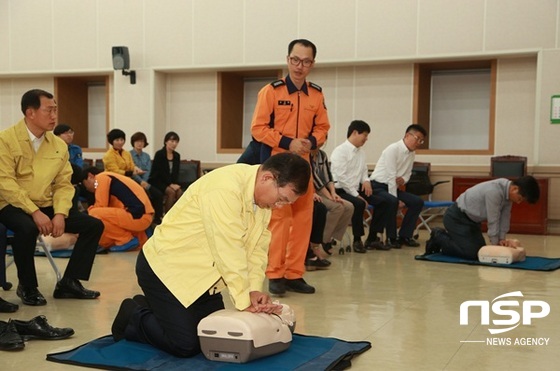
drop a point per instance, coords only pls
(533, 263)
(305, 353)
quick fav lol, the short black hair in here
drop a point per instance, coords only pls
(304, 42)
(61, 129)
(90, 170)
(32, 99)
(528, 188)
(417, 128)
(115, 134)
(138, 136)
(289, 168)
(171, 136)
(360, 126)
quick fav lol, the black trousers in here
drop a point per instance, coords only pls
(378, 221)
(25, 240)
(414, 205)
(167, 324)
(156, 198)
(464, 237)
(319, 222)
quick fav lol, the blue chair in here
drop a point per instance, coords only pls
(421, 185)
(4, 234)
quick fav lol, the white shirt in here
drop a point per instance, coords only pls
(349, 168)
(36, 142)
(395, 161)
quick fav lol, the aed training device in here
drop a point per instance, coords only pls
(501, 254)
(234, 336)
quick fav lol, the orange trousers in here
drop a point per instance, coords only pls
(120, 227)
(290, 226)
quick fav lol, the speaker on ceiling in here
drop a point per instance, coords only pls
(121, 59)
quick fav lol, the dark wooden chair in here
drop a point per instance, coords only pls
(189, 172)
(508, 166)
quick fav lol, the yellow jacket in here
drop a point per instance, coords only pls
(214, 235)
(119, 163)
(30, 180)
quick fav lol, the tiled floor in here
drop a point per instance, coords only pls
(407, 309)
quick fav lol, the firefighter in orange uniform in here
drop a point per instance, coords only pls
(291, 115)
(121, 204)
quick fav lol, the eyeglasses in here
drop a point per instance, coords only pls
(50, 110)
(280, 199)
(295, 61)
(420, 141)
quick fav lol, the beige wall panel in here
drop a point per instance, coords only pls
(218, 32)
(192, 114)
(5, 43)
(450, 26)
(11, 91)
(386, 28)
(31, 37)
(132, 110)
(515, 107)
(121, 24)
(549, 134)
(331, 25)
(169, 33)
(267, 37)
(75, 35)
(384, 100)
(520, 24)
(340, 104)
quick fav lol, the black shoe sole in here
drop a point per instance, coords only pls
(37, 337)
(73, 296)
(12, 347)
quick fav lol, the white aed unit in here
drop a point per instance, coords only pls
(501, 254)
(230, 335)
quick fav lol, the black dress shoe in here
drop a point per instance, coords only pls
(410, 242)
(128, 306)
(314, 264)
(393, 243)
(9, 337)
(30, 296)
(277, 286)
(358, 246)
(299, 285)
(376, 244)
(7, 307)
(69, 288)
(39, 328)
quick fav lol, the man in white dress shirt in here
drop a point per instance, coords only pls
(392, 171)
(350, 173)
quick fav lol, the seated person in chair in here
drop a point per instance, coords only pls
(339, 211)
(350, 173)
(36, 197)
(165, 170)
(489, 201)
(122, 205)
(392, 171)
(143, 161)
(215, 236)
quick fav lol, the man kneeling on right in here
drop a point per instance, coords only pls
(489, 201)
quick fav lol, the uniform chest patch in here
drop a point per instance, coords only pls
(284, 103)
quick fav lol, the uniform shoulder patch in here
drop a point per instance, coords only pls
(315, 86)
(278, 83)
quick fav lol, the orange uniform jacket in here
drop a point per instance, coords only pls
(124, 208)
(283, 113)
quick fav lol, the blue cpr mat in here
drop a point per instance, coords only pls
(305, 353)
(533, 263)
